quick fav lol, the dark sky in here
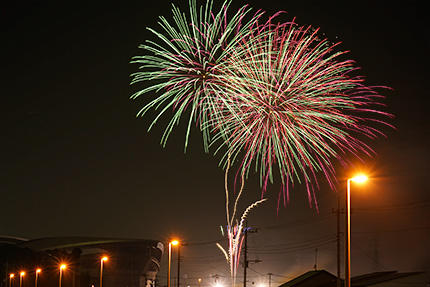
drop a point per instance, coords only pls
(76, 161)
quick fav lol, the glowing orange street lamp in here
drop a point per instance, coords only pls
(103, 259)
(11, 276)
(62, 267)
(21, 276)
(358, 179)
(174, 243)
(38, 270)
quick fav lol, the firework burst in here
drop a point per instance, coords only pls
(181, 67)
(291, 105)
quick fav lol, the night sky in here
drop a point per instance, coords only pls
(75, 160)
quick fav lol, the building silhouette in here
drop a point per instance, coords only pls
(132, 262)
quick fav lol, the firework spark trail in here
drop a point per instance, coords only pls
(291, 104)
(181, 65)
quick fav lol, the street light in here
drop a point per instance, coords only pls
(358, 179)
(174, 243)
(103, 259)
(38, 270)
(21, 275)
(62, 267)
(11, 276)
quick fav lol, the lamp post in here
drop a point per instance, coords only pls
(21, 276)
(38, 270)
(62, 267)
(11, 276)
(174, 243)
(358, 179)
(103, 259)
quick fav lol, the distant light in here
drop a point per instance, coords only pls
(261, 285)
(219, 285)
(105, 258)
(38, 270)
(359, 178)
(200, 280)
(22, 273)
(174, 242)
(11, 275)
(63, 266)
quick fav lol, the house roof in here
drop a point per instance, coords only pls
(310, 275)
(322, 278)
(378, 277)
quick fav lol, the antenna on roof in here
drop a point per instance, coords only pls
(316, 259)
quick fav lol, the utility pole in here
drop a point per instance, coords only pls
(338, 212)
(179, 263)
(375, 253)
(270, 279)
(216, 276)
(245, 263)
(245, 251)
(6, 275)
(338, 240)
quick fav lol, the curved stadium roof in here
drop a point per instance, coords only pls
(47, 243)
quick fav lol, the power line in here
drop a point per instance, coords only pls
(298, 223)
(415, 204)
(393, 230)
(282, 246)
(206, 242)
(295, 248)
